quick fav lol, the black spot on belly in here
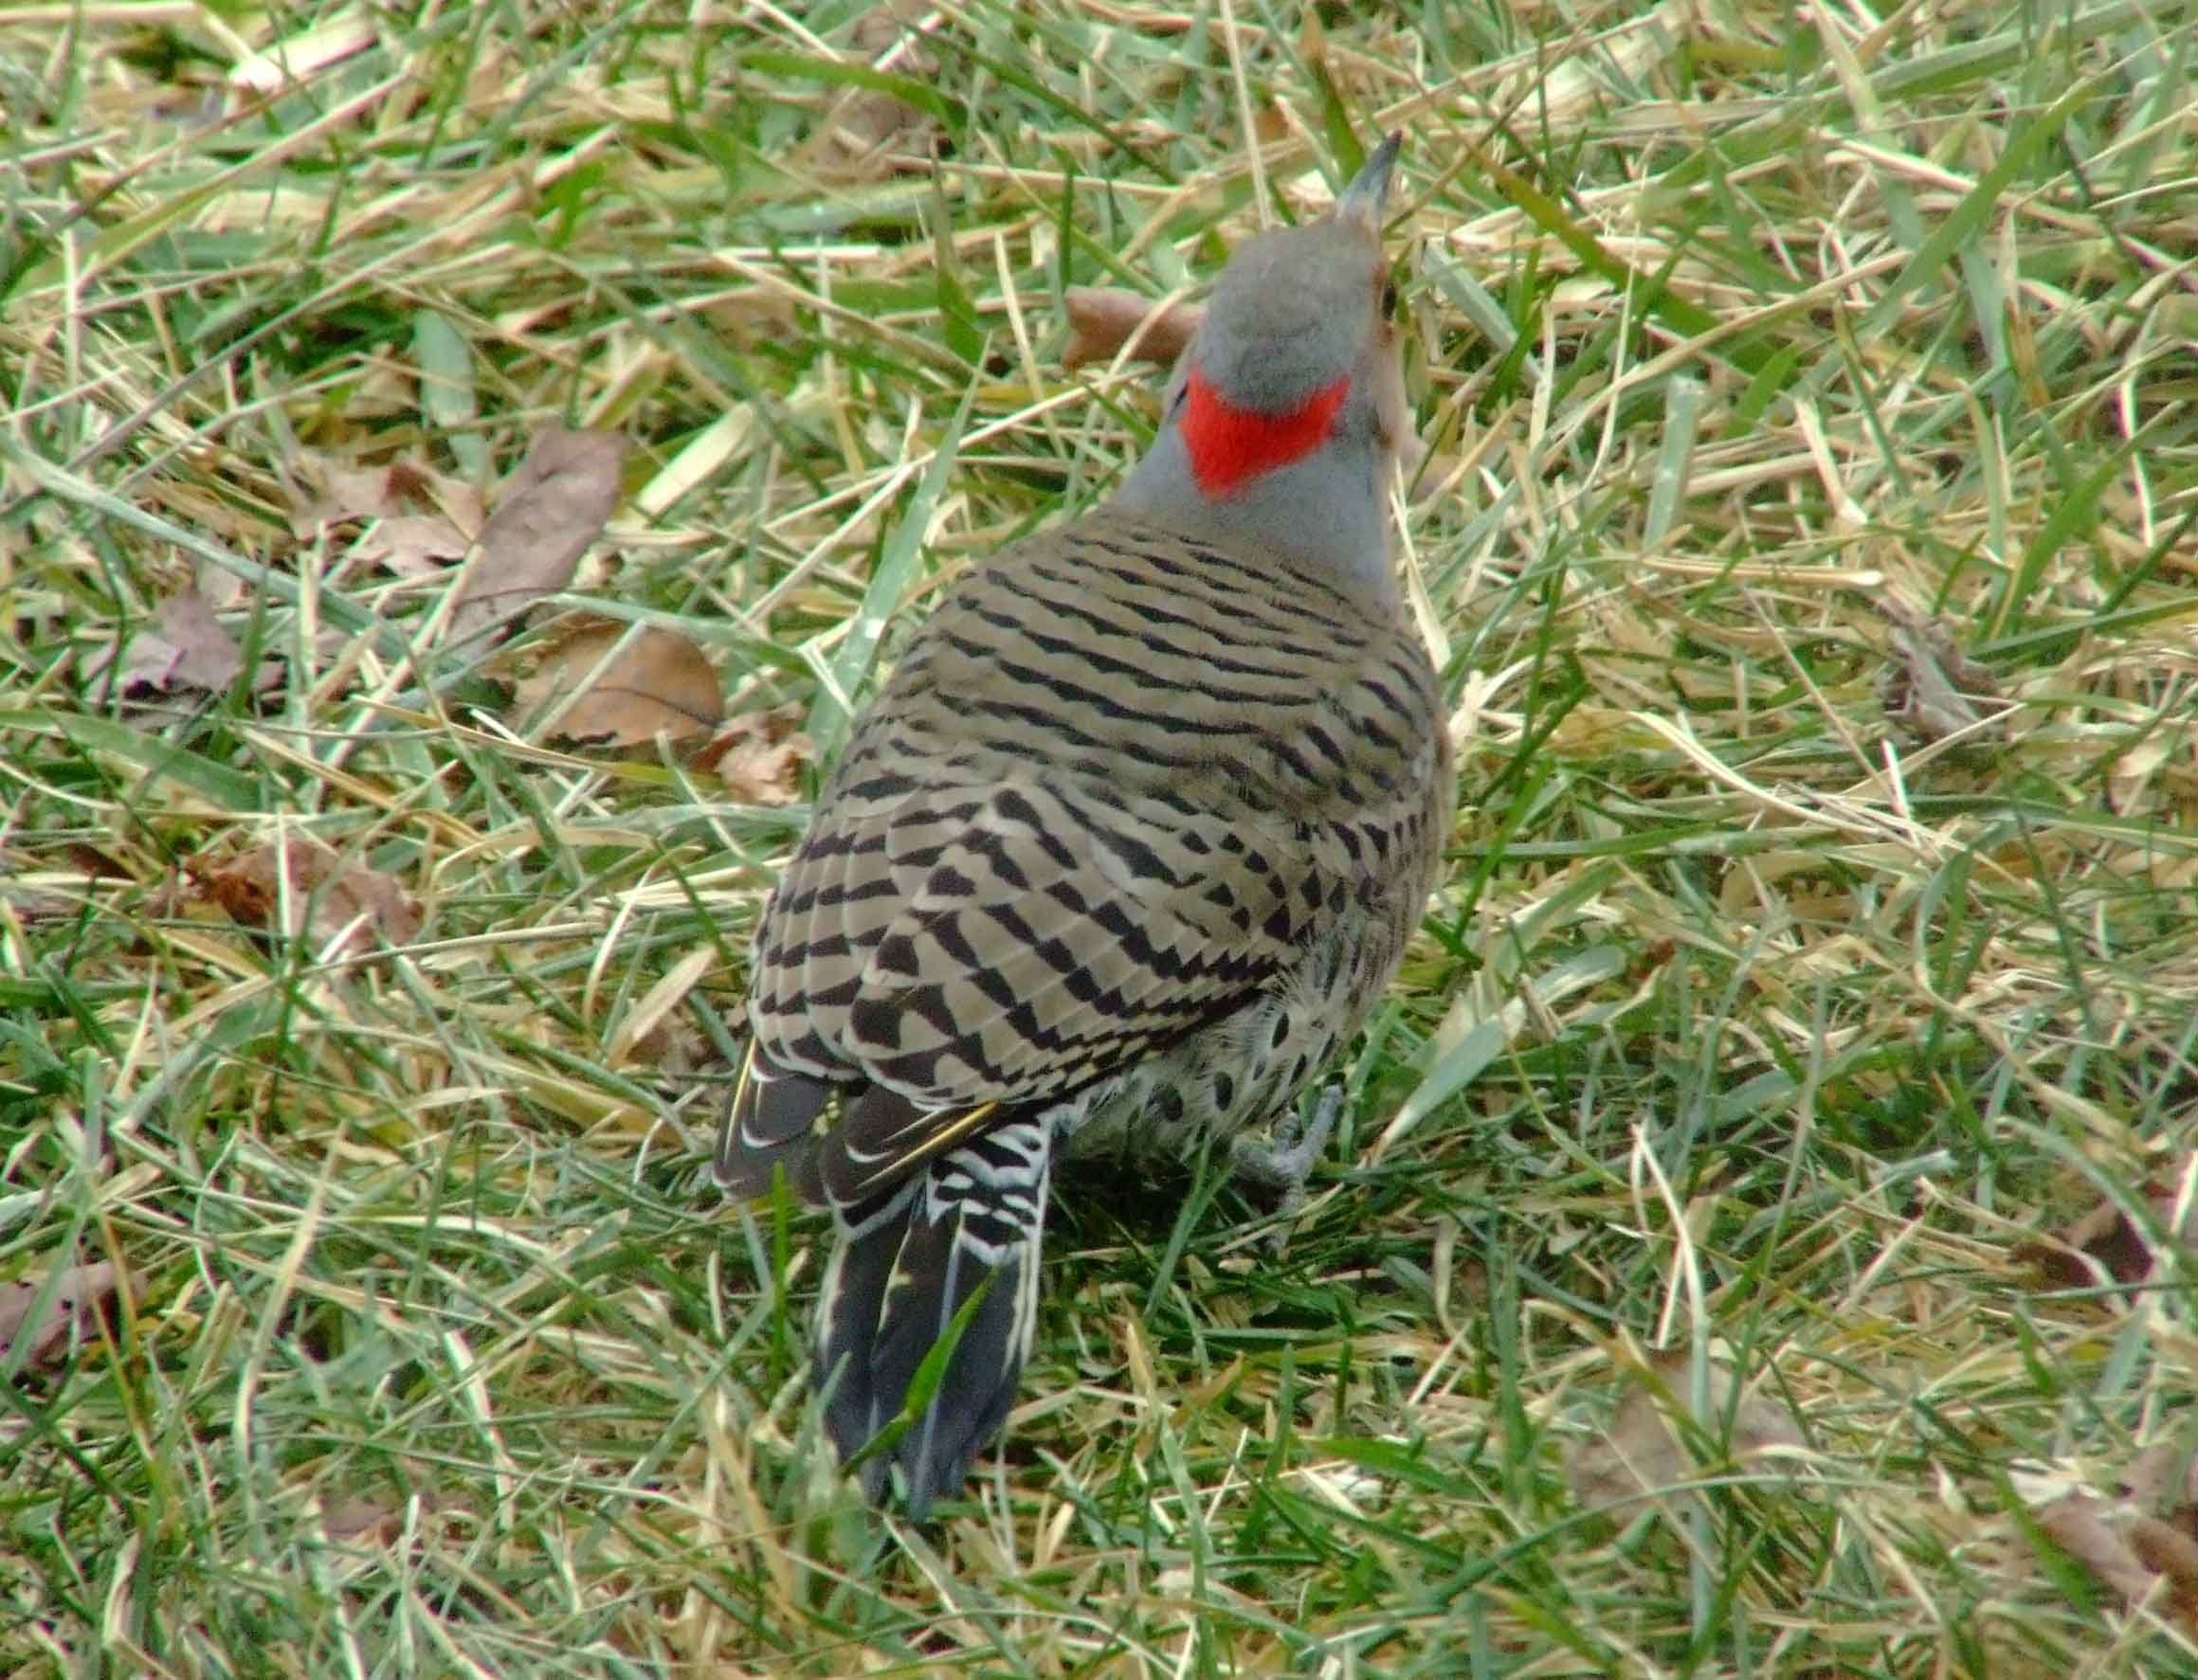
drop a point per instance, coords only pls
(1223, 1093)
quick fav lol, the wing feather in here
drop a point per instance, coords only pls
(1108, 791)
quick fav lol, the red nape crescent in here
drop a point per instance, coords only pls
(1229, 446)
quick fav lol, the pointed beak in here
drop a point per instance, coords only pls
(1369, 188)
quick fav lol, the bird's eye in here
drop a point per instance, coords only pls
(1389, 301)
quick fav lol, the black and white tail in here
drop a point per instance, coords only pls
(906, 1265)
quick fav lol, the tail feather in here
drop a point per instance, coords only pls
(856, 1279)
(907, 1264)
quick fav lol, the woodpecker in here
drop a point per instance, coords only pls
(1126, 846)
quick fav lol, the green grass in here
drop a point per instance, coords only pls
(1746, 1022)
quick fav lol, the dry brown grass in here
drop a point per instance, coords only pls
(1754, 1025)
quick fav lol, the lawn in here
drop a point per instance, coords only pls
(1806, 532)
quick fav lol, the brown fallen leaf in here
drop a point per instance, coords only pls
(183, 646)
(608, 684)
(2084, 1528)
(758, 755)
(868, 133)
(417, 521)
(1644, 1450)
(411, 544)
(2130, 1554)
(673, 1049)
(2106, 1239)
(370, 1519)
(2171, 1552)
(325, 891)
(2164, 1480)
(1932, 689)
(399, 489)
(31, 1337)
(547, 512)
(1101, 319)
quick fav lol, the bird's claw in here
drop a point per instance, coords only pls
(1278, 1168)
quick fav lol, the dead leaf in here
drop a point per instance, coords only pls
(324, 890)
(411, 544)
(674, 1048)
(1101, 319)
(418, 519)
(2141, 1545)
(78, 1293)
(758, 756)
(371, 1520)
(2168, 1551)
(398, 488)
(869, 132)
(184, 646)
(2083, 1526)
(547, 512)
(2164, 1479)
(2127, 1552)
(2106, 1239)
(1934, 690)
(748, 318)
(1643, 1450)
(627, 686)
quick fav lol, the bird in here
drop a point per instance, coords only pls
(1128, 843)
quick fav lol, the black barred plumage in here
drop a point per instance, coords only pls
(1130, 841)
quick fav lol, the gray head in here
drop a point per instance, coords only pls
(1286, 410)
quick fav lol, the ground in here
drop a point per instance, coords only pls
(1806, 529)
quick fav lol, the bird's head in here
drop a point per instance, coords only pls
(1285, 413)
(1297, 345)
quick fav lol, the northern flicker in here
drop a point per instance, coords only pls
(1128, 843)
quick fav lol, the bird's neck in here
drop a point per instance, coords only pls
(1322, 511)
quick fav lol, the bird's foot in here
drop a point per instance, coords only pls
(1277, 1169)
